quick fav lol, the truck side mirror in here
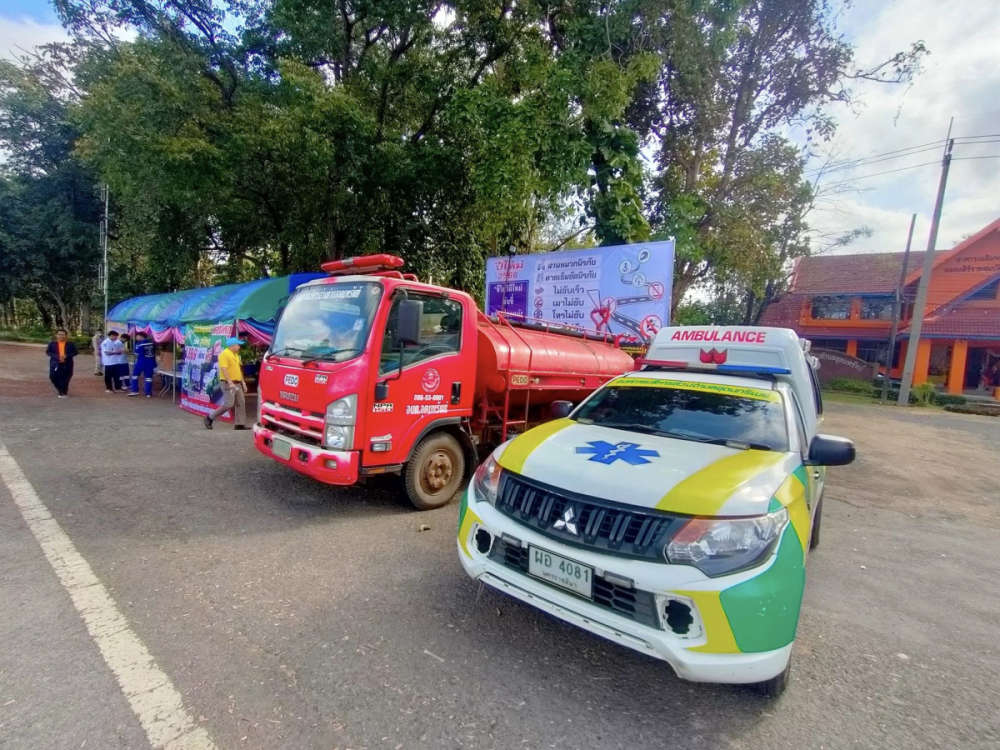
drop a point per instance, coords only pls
(560, 409)
(408, 323)
(830, 450)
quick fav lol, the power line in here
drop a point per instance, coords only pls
(899, 153)
(912, 166)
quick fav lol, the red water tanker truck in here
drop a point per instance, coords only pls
(372, 372)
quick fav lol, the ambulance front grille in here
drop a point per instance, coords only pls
(587, 522)
(639, 606)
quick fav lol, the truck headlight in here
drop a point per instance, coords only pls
(343, 411)
(338, 437)
(486, 481)
(726, 545)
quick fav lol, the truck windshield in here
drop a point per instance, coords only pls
(329, 322)
(701, 412)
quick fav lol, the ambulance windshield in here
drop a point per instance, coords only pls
(328, 321)
(701, 412)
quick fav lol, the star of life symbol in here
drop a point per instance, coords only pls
(607, 453)
(567, 522)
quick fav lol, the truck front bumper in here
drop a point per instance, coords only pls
(707, 653)
(330, 467)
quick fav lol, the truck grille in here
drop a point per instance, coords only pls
(639, 606)
(292, 422)
(601, 525)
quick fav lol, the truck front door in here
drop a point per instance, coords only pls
(436, 381)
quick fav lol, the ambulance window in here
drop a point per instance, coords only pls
(817, 394)
(440, 332)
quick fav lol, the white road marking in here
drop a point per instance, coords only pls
(152, 696)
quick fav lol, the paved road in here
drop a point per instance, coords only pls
(290, 615)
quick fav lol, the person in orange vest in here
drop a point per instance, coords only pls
(61, 353)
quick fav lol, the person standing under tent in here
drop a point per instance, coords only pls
(122, 374)
(111, 349)
(61, 353)
(145, 364)
(95, 342)
(233, 388)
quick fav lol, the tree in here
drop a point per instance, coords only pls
(48, 199)
(734, 76)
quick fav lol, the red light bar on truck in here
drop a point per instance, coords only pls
(737, 350)
(362, 264)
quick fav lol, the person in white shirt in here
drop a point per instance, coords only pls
(111, 350)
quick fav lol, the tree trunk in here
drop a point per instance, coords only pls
(85, 324)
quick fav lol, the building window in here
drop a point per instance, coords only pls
(877, 308)
(873, 351)
(831, 308)
(835, 345)
(988, 292)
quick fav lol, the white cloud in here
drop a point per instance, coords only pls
(961, 79)
(22, 34)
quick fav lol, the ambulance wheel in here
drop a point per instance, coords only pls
(774, 687)
(435, 471)
(814, 538)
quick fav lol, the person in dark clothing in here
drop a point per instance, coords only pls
(61, 353)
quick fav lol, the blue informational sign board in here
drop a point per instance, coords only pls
(620, 289)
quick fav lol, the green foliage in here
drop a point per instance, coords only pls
(923, 393)
(850, 385)
(944, 399)
(265, 136)
(982, 409)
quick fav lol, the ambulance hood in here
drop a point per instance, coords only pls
(649, 471)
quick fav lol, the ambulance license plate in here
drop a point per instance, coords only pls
(561, 572)
(282, 448)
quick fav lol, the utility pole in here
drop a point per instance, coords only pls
(104, 250)
(896, 310)
(917, 320)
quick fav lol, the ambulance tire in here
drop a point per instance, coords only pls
(814, 538)
(774, 687)
(433, 475)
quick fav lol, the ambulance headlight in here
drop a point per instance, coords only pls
(338, 437)
(486, 481)
(343, 411)
(726, 545)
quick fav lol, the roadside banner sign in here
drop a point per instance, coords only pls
(201, 391)
(619, 289)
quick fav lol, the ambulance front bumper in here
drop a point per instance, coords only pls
(692, 655)
(330, 467)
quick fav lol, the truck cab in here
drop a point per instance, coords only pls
(673, 510)
(371, 373)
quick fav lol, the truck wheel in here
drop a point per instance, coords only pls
(774, 687)
(817, 518)
(435, 471)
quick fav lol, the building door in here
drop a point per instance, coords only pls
(976, 362)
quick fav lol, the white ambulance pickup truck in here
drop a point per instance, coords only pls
(673, 510)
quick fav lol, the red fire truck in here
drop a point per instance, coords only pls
(371, 372)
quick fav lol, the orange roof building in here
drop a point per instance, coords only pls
(845, 302)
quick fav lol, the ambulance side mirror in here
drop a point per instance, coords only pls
(408, 323)
(830, 450)
(560, 409)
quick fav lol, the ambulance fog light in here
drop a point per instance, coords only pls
(726, 545)
(484, 541)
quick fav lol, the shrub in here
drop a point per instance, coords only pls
(923, 393)
(892, 396)
(982, 409)
(943, 399)
(850, 385)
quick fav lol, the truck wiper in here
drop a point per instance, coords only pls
(328, 354)
(282, 351)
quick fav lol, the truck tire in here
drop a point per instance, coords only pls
(434, 473)
(817, 518)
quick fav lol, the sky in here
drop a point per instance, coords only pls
(961, 79)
